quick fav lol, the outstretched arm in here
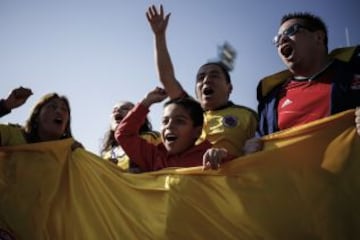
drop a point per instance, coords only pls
(16, 98)
(158, 22)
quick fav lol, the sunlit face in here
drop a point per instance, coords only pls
(119, 112)
(212, 88)
(298, 48)
(177, 130)
(53, 119)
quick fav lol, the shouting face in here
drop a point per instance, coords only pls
(53, 120)
(177, 131)
(212, 87)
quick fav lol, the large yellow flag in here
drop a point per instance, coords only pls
(304, 185)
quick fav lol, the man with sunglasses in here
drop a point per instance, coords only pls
(315, 85)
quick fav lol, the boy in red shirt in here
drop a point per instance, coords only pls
(181, 126)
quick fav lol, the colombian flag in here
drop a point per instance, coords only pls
(304, 185)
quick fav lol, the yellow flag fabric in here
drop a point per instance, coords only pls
(304, 185)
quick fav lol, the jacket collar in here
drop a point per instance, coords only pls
(268, 83)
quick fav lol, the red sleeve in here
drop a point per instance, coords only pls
(128, 137)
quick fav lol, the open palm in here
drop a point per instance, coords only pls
(157, 20)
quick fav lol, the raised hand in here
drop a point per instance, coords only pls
(17, 97)
(154, 96)
(157, 20)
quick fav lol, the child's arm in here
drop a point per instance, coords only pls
(158, 23)
(127, 132)
(16, 98)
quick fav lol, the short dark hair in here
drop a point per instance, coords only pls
(223, 68)
(192, 106)
(311, 21)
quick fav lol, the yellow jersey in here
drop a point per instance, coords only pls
(229, 127)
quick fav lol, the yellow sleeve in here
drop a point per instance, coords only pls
(11, 135)
(151, 137)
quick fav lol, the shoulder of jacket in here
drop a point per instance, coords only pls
(345, 54)
(268, 83)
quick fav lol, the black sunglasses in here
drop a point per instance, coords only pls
(290, 31)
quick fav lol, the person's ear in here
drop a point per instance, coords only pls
(320, 36)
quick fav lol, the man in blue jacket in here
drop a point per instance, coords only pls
(315, 85)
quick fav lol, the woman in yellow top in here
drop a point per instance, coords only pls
(49, 119)
(112, 151)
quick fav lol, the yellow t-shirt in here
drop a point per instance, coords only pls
(11, 134)
(121, 157)
(229, 128)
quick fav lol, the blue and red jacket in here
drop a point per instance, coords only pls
(345, 93)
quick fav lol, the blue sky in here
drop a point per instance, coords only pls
(97, 52)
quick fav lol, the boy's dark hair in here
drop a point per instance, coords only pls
(223, 68)
(310, 21)
(192, 106)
